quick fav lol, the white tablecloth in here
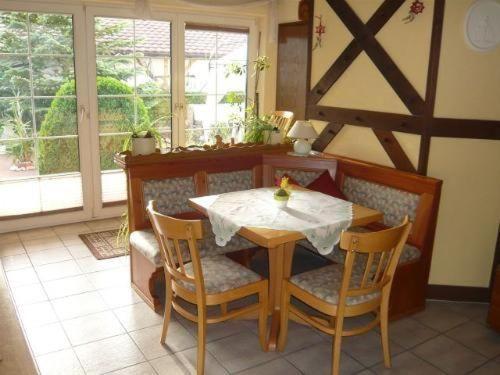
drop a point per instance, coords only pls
(321, 218)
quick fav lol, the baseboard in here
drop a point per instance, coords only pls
(458, 293)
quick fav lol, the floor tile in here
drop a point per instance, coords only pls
(63, 362)
(37, 314)
(474, 311)
(407, 363)
(78, 305)
(449, 355)
(110, 278)
(108, 355)
(91, 264)
(137, 316)
(15, 262)
(25, 276)
(367, 348)
(104, 224)
(58, 270)
(67, 287)
(55, 255)
(28, 294)
(11, 248)
(182, 363)
(141, 369)
(119, 296)
(490, 368)
(409, 332)
(79, 251)
(10, 237)
(36, 233)
(278, 366)
(148, 340)
(317, 360)
(300, 336)
(71, 228)
(39, 244)
(92, 327)
(477, 337)
(71, 239)
(439, 316)
(239, 352)
(46, 339)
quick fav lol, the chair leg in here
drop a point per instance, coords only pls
(263, 300)
(223, 308)
(202, 338)
(384, 333)
(284, 316)
(337, 341)
(168, 310)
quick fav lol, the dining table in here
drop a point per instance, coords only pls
(280, 245)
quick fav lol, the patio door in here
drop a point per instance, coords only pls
(42, 112)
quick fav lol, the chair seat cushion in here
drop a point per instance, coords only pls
(325, 282)
(220, 275)
(145, 242)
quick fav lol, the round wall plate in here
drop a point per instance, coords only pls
(482, 25)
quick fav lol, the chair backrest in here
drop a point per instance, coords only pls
(380, 251)
(173, 236)
(282, 120)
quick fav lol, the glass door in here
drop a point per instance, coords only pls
(215, 83)
(40, 169)
(133, 86)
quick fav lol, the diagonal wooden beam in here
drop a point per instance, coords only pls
(326, 136)
(394, 150)
(346, 58)
(430, 91)
(363, 35)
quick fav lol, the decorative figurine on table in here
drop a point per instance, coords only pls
(282, 195)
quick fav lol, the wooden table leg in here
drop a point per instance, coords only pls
(280, 267)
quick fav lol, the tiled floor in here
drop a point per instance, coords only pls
(81, 317)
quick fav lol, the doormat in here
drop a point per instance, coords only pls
(103, 244)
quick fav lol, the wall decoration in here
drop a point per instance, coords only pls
(319, 30)
(416, 8)
(482, 25)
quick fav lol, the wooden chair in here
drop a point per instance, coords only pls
(283, 120)
(208, 281)
(360, 286)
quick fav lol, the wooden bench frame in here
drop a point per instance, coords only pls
(411, 278)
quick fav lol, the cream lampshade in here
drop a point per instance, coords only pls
(302, 131)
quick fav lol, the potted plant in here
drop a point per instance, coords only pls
(143, 140)
(273, 136)
(256, 126)
(282, 194)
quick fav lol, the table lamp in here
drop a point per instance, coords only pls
(302, 131)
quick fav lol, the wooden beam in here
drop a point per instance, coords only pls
(379, 120)
(326, 136)
(310, 23)
(375, 23)
(363, 35)
(461, 128)
(394, 150)
(430, 91)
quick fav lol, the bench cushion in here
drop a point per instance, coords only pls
(325, 283)
(303, 178)
(171, 194)
(394, 203)
(220, 274)
(145, 242)
(225, 182)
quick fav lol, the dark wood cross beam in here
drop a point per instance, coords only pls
(421, 121)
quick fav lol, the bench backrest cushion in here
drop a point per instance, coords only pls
(225, 182)
(393, 202)
(302, 177)
(171, 194)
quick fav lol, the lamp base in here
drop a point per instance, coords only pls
(302, 147)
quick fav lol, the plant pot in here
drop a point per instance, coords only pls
(271, 137)
(143, 146)
(281, 201)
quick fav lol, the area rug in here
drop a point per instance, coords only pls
(103, 244)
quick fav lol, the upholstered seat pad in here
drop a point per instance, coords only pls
(325, 283)
(221, 274)
(145, 241)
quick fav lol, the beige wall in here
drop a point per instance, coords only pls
(468, 87)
